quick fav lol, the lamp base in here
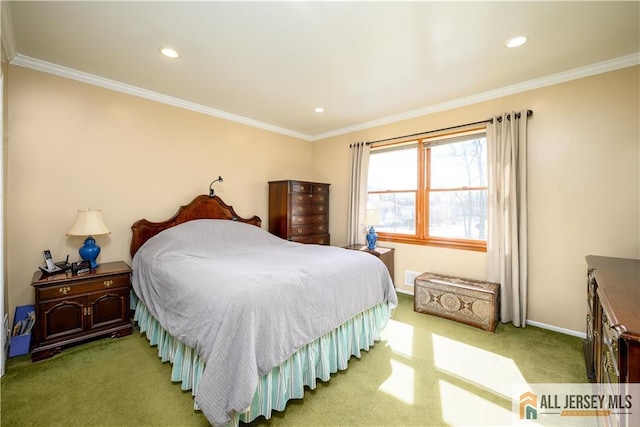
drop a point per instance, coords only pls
(90, 251)
(372, 238)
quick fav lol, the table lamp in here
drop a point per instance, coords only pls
(371, 218)
(88, 224)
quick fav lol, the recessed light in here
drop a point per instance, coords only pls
(319, 110)
(169, 53)
(516, 41)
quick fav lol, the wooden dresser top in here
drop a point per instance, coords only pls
(619, 291)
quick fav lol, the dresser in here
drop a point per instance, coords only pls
(72, 309)
(299, 211)
(612, 346)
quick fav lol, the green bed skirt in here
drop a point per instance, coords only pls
(316, 360)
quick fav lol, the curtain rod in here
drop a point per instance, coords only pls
(529, 113)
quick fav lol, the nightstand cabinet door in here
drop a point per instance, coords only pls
(108, 308)
(72, 309)
(61, 318)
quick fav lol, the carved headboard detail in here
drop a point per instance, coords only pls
(202, 207)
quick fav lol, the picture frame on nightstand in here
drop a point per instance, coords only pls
(80, 267)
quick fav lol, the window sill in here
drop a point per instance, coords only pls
(466, 245)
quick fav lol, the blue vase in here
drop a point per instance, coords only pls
(372, 238)
(90, 251)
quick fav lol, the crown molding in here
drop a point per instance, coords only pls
(576, 73)
(69, 73)
(6, 33)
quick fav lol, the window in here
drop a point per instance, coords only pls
(431, 191)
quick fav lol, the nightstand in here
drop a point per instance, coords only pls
(385, 255)
(72, 309)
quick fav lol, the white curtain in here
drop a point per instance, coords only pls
(507, 239)
(358, 192)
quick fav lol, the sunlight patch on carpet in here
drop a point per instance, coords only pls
(476, 366)
(399, 336)
(401, 382)
(463, 408)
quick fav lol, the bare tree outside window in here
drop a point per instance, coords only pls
(458, 194)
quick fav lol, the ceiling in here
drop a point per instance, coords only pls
(270, 64)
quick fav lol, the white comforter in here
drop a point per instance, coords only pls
(246, 300)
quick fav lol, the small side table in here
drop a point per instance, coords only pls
(72, 309)
(385, 255)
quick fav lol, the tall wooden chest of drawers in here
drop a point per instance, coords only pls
(299, 211)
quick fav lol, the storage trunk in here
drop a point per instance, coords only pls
(473, 302)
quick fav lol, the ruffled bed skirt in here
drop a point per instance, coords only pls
(316, 360)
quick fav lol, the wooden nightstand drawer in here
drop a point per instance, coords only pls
(81, 287)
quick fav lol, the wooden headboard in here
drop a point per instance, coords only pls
(202, 207)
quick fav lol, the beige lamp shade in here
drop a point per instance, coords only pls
(372, 217)
(88, 223)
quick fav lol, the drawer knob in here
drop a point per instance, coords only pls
(64, 290)
(107, 283)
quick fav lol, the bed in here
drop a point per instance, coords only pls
(246, 318)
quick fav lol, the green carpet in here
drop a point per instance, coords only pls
(425, 371)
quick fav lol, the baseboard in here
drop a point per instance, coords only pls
(403, 291)
(557, 329)
(529, 322)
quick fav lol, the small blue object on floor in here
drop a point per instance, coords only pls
(23, 323)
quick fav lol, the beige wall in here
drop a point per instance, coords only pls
(584, 193)
(584, 183)
(144, 158)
